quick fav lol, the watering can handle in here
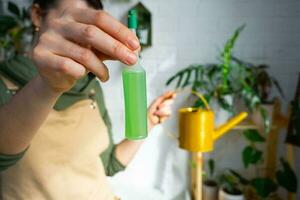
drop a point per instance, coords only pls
(198, 94)
(201, 97)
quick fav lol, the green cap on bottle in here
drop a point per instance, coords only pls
(132, 19)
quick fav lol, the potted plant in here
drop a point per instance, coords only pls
(264, 188)
(15, 32)
(259, 187)
(224, 83)
(230, 187)
(210, 184)
(263, 86)
(262, 83)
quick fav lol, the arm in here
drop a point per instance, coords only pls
(158, 112)
(23, 115)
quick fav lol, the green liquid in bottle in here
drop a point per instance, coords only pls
(134, 83)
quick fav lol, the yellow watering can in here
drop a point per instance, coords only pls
(197, 131)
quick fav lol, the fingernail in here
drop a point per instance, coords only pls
(134, 44)
(131, 58)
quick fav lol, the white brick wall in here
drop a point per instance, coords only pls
(191, 31)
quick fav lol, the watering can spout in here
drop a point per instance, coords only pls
(221, 130)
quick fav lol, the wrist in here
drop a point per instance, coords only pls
(136, 143)
(41, 87)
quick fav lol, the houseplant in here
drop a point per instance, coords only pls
(210, 184)
(262, 83)
(223, 83)
(15, 32)
(230, 187)
(260, 187)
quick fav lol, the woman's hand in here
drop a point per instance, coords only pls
(77, 41)
(160, 109)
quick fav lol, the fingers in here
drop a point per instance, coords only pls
(98, 39)
(160, 100)
(51, 62)
(166, 103)
(160, 110)
(62, 47)
(163, 112)
(168, 96)
(102, 56)
(109, 25)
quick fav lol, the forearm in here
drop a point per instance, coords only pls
(24, 114)
(126, 150)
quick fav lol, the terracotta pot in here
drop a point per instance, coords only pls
(223, 195)
(210, 190)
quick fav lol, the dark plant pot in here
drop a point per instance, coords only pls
(236, 195)
(210, 190)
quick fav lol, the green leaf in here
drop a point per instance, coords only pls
(211, 167)
(255, 101)
(228, 181)
(212, 70)
(227, 55)
(180, 75)
(199, 103)
(253, 135)
(25, 14)
(170, 80)
(286, 177)
(179, 80)
(264, 186)
(6, 23)
(196, 72)
(13, 8)
(250, 97)
(225, 105)
(187, 79)
(241, 179)
(251, 156)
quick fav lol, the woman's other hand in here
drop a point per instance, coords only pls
(160, 109)
(76, 41)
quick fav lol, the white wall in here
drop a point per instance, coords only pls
(192, 31)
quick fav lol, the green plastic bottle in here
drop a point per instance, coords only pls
(134, 84)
